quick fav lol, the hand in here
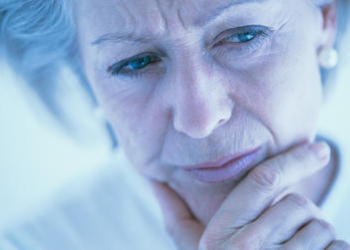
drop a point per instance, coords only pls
(248, 220)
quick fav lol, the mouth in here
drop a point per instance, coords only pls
(229, 167)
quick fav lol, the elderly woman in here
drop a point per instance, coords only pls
(214, 102)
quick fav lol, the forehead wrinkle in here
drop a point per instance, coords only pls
(162, 12)
(133, 29)
(182, 13)
(129, 13)
(212, 15)
(170, 9)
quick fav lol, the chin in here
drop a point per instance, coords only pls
(202, 199)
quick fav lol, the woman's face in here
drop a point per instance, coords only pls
(192, 85)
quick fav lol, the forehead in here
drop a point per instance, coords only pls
(116, 15)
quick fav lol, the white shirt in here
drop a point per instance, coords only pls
(111, 210)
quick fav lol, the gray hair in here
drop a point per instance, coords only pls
(37, 33)
(40, 35)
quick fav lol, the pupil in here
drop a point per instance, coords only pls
(247, 36)
(140, 63)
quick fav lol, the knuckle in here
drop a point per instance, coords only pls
(300, 154)
(298, 200)
(243, 241)
(266, 177)
(244, 245)
(204, 245)
(249, 239)
(324, 226)
(207, 243)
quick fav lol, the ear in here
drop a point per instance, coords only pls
(329, 24)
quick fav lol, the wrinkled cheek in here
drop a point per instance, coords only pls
(140, 130)
(287, 97)
(144, 155)
(295, 114)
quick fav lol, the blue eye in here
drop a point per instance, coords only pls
(133, 64)
(139, 63)
(242, 35)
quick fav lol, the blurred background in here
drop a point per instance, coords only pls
(38, 156)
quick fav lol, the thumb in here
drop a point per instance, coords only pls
(181, 225)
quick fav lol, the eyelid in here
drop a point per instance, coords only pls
(242, 29)
(119, 65)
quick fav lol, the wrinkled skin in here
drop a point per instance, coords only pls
(183, 85)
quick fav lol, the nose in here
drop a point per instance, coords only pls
(201, 101)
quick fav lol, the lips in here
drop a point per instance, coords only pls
(231, 167)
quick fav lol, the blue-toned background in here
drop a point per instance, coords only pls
(37, 155)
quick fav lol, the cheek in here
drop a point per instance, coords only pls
(139, 120)
(287, 95)
(137, 115)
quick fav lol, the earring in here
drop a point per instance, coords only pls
(328, 58)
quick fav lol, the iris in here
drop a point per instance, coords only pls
(139, 63)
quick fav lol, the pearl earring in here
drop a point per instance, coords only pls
(328, 58)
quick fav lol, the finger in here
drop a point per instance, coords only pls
(178, 219)
(317, 234)
(257, 191)
(280, 222)
(338, 245)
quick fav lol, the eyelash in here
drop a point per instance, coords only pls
(120, 68)
(258, 35)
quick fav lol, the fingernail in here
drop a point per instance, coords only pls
(321, 150)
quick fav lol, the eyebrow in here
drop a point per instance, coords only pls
(117, 37)
(122, 37)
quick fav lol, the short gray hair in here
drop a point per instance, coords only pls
(37, 33)
(37, 38)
